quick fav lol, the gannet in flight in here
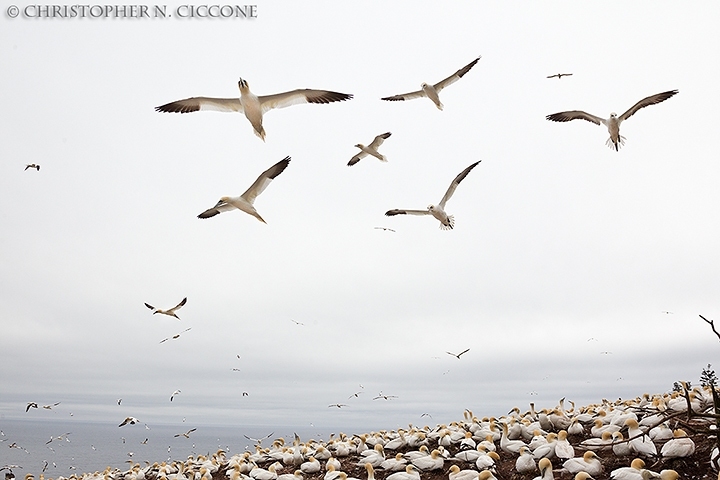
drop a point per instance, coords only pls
(176, 392)
(186, 434)
(432, 91)
(170, 312)
(559, 75)
(457, 355)
(613, 123)
(245, 201)
(438, 211)
(370, 149)
(32, 165)
(177, 335)
(129, 420)
(253, 106)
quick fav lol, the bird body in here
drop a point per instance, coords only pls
(253, 106)
(371, 149)
(613, 122)
(447, 222)
(245, 201)
(431, 91)
(170, 312)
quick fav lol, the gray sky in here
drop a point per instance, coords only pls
(562, 248)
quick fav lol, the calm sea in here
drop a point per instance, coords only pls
(89, 447)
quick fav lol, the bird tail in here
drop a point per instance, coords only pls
(616, 144)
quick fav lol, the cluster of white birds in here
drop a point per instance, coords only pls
(254, 107)
(621, 440)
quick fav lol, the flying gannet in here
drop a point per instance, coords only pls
(170, 312)
(253, 106)
(457, 355)
(32, 165)
(245, 201)
(613, 123)
(129, 420)
(177, 335)
(559, 75)
(432, 91)
(438, 211)
(370, 149)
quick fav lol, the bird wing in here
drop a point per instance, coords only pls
(396, 211)
(150, 306)
(455, 183)
(464, 351)
(182, 302)
(574, 115)
(357, 158)
(194, 104)
(455, 76)
(264, 180)
(405, 96)
(651, 100)
(379, 140)
(295, 97)
(219, 207)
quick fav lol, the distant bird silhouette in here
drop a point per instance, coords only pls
(559, 75)
(457, 355)
(171, 311)
(32, 165)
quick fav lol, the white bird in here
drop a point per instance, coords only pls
(370, 149)
(171, 311)
(245, 201)
(563, 449)
(394, 464)
(679, 446)
(639, 442)
(438, 211)
(253, 106)
(546, 472)
(129, 420)
(434, 461)
(633, 472)
(588, 463)
(410, 473)
(176, 392)
(186, 434)
(432, 91)
(525, 463)
(612, 123)
(311, 466)
(456, 474)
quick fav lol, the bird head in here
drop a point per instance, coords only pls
(242, 84)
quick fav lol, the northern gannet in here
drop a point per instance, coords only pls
(32, 165)
(370, 149)
(129, 420)
(559, 75)
(245, 201)
(613, 123)
(177, 335)
(253, 106)
(170, 312)
(457, 355)
(438, 211)
(432, 91)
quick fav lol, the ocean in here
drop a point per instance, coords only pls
(86, 447)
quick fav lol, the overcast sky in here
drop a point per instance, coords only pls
(562, 248)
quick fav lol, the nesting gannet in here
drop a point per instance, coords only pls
(612, 123)
(638, 440)
(129, 420)
(525, 463)
(253, 106)
(410, 473)
(370, 149)
(560, 75)
(171, 311)
(457, 355)
(177, 335)
(588, 463)
(186, 434)
(545, 467)
(679, 446)
(456, 474)
(32, 165)
(176, 392)
(245, 201)
(432, 91)
(633, 472)
(438, 211)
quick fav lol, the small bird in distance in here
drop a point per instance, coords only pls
(370, 149)
(457, 355)
(560, 75)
